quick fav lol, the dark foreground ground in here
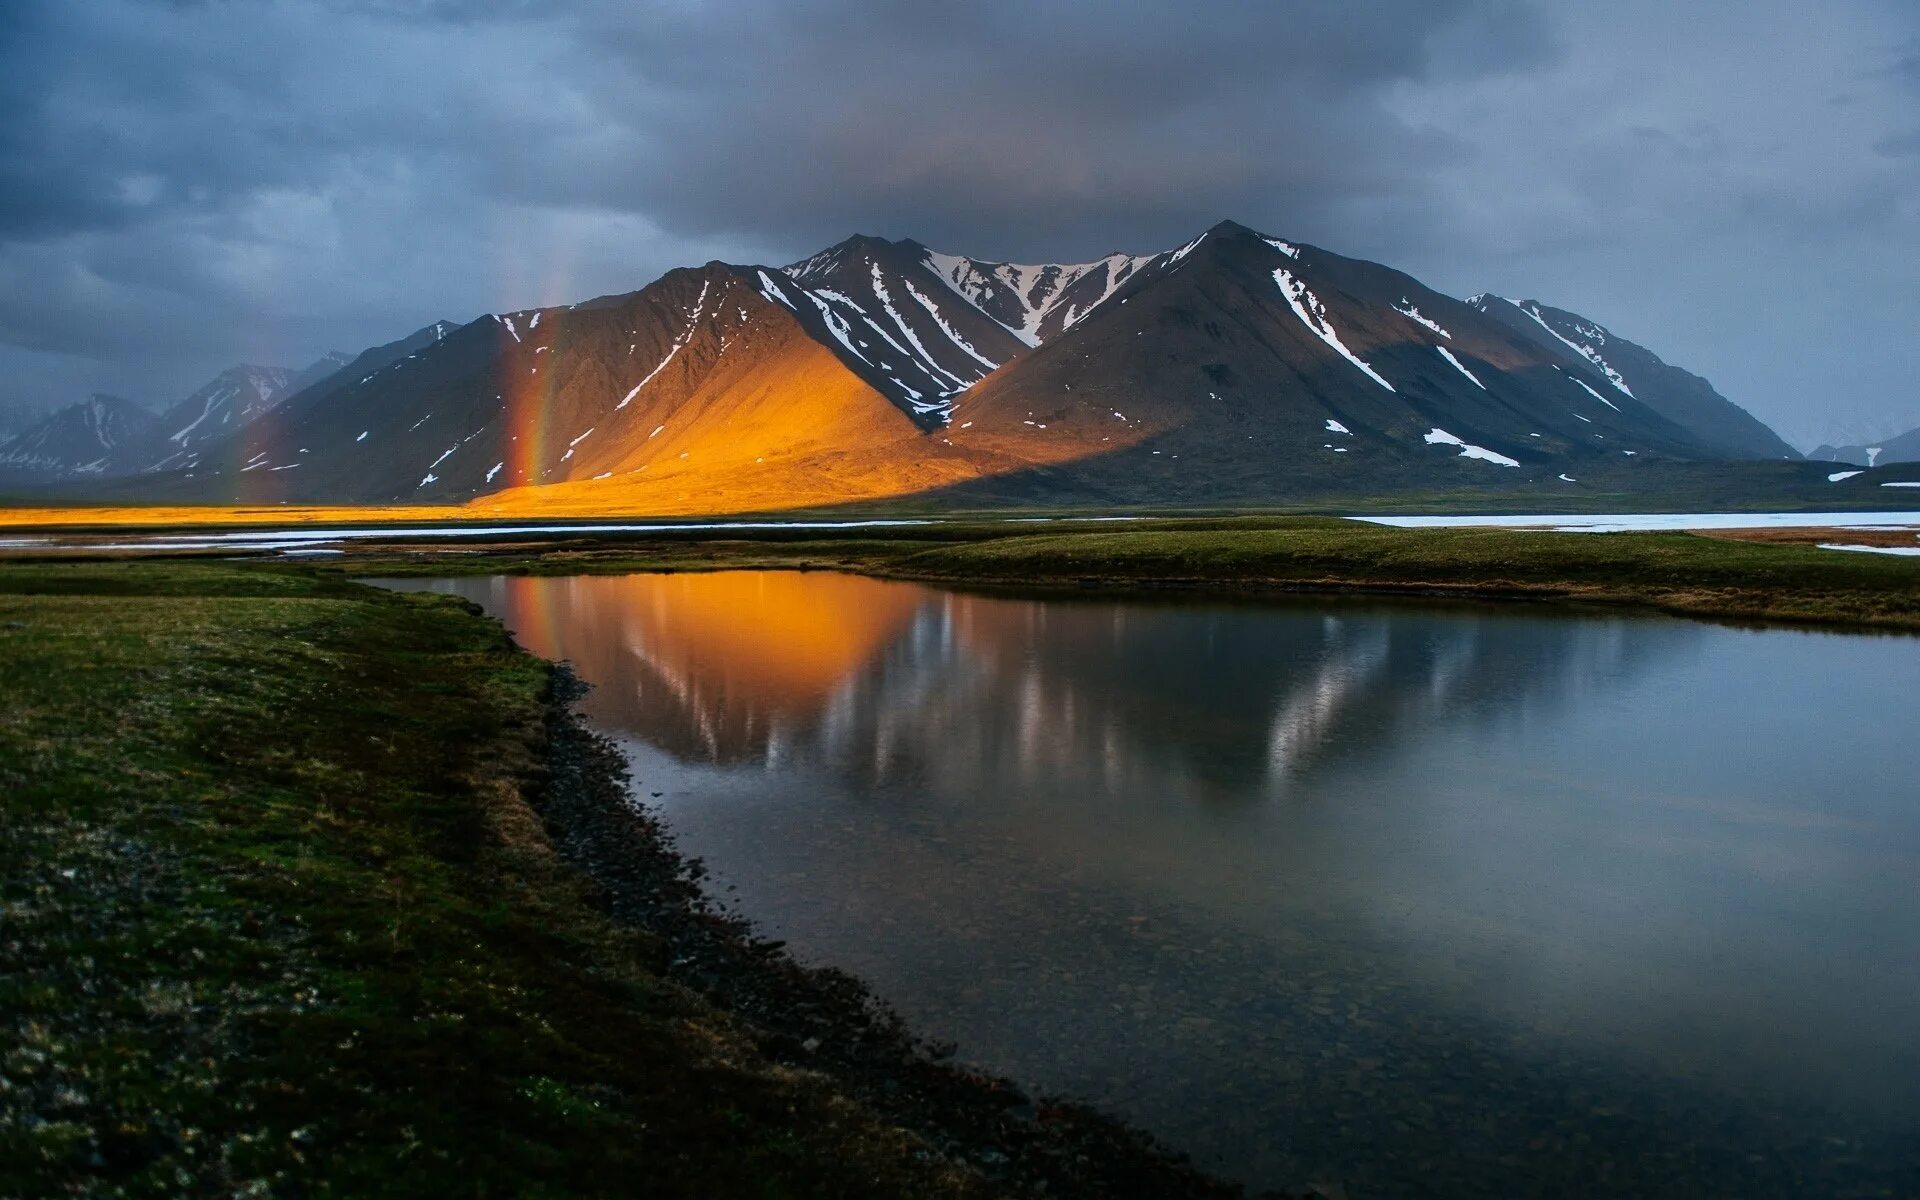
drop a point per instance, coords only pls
(312, 889)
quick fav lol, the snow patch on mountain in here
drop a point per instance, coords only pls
(926, 358)
(679, 344)
(1440, 437)
(1596, 395)
(953, 335)
(1585, 351)
(1036, 288)
(1460, 367)
(1406, 309)
(1313, 315)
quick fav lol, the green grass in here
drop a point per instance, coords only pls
(1673, 572)
(278, 920)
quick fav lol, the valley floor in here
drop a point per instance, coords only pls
(1729, 576)
(312, 888)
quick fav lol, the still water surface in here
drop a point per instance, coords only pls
(1429, 901)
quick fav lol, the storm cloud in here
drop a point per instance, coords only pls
(188, 184)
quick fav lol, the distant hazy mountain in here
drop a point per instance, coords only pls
(98, 437)
(1904, 447)
(1237, 367)
(231, 399)
(238, 396)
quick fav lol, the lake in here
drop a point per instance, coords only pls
(1429, 900)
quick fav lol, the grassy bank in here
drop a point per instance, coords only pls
(1672, 572)
(312, 889)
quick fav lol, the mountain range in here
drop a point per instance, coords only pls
(1235, 368)
(1902, 448)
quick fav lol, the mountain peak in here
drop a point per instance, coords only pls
(1230, 228)
(851, 250)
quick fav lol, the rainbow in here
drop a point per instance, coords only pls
(527, 395)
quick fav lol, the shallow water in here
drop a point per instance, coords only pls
(1432, 901)
(1625, 522)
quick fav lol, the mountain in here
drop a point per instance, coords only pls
(945, 322)
(1725, 428)
(320, 368)
(710, 380)
(1244, 368)
(100, 436)
(1236, 368)
(239, 396)
(231, 399)
(1904, 447)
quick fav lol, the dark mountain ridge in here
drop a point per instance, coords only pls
(1238, 367)
(1681, 396)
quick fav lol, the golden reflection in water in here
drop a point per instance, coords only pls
(895, 682)
(716, 663)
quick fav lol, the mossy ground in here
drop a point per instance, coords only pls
(279, 920)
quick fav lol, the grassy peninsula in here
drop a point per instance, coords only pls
(316, 889)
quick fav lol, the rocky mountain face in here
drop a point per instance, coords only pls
(232, 399)
(99, 437)
(1901, 449)
(1236, 368)
(1252, 367)
(1680, 396)
(229, 400)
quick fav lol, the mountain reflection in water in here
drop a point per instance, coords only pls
(892, 680)
(1435, 900)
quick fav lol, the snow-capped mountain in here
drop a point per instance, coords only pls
(229, 400)
(1253, 367)
(1035, 302)
(240, 395)
(100, 436)
(695, 380)
(1237, 367)
(894, 322)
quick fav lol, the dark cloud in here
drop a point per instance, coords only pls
(187, 184)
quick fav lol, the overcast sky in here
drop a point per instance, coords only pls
(185, 184)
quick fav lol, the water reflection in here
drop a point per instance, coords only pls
(723, 667)
(1438, 902)
(891, 680)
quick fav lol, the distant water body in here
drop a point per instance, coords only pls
(1430, 901)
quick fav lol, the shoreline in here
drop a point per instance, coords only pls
(824, 1019)
(1774, 575)
(1712, 577)
(316, 886)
